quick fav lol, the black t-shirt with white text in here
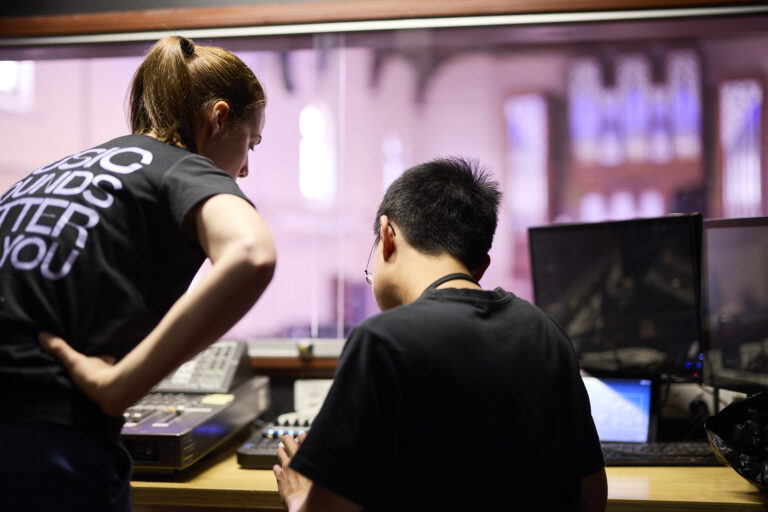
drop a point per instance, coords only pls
(92, 249)
(461, 400)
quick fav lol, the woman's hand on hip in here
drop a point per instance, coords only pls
(92, 374)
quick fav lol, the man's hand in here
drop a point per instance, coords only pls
(91, 374)
(293, 487)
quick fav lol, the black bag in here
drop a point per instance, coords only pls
(739, 437)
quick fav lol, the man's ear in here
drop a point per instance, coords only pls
(480, 270)
(387, 236)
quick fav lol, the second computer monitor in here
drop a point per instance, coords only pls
(736, 302)
(627, 292)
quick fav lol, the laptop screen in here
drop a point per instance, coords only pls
(622, 409)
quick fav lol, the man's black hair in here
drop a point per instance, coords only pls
(447, 205)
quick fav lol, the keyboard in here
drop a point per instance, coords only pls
(688, 453)
(260, 450)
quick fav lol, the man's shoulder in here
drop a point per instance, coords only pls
(394, 328)
(446, 310)
(444, 303)
(418, 310)
(431, 310)
(381, 324)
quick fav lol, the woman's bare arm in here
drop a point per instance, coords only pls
(237, 241)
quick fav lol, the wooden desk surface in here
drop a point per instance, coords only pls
(681, 488)
(219, 483)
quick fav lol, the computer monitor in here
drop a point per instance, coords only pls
(627, 292)
(735, 276)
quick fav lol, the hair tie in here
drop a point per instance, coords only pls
(187, 47)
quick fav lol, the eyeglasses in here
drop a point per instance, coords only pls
(368, 275)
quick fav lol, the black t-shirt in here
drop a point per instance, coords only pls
(92, 249)
(462, 400)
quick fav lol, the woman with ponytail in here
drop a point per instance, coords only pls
(98, 251)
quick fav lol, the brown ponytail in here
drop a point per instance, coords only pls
(179, 80)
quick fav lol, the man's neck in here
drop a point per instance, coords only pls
(425, 270)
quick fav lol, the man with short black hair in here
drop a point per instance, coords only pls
(454, 397)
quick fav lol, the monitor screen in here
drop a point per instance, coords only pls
(736, 302)
(627, 292)
(622, 409)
